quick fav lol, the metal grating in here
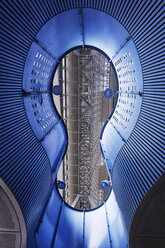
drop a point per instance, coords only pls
(8, 240)
(12, 225)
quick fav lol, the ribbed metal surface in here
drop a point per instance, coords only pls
(24, 164)
(150, 232)
(140, 162)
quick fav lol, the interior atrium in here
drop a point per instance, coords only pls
(82, 124)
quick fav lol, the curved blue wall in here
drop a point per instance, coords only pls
(35, 35)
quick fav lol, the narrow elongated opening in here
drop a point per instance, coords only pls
(79, 87)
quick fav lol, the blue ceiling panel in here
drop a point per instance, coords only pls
(39, 69)
(103, 31)
(96, 229)
(55, 143)
(62, 33)
(117, 231)
(49, 221)
(65, 237)
(111, 143)
(130, 81)
(37, 78)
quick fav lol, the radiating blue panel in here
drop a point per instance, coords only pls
(130, 80)
(47, 228)
(38, 70)
(69, 220)
(55, 144)
(42, 116)
(111, 142)
(117, 231)
(103, 31)
(96, 229)
(62, 33)
(130, 91)
(37, 78)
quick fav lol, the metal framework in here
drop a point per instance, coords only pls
(83, 74)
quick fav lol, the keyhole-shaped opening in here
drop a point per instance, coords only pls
(81, 79)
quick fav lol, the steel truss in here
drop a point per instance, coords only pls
(84, 123)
